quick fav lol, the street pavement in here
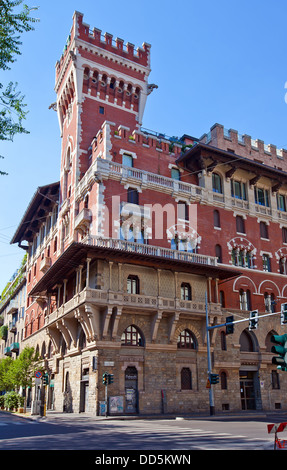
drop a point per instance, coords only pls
(85, 432)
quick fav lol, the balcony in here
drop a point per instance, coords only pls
(150, 250)
(12, 307)
(132, 301)
(12, 326)
(45, 264)
(83, 220)
(14, 347)
(7, 351)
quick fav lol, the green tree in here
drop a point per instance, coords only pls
(12, 106)
(24, 368)
(6, 378)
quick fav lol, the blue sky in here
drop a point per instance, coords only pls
(213, 62)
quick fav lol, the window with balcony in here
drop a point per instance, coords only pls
(127, 160)
(217, 183)
(133, 285)
(262, 197)
(238, 190)
(281, 202)
(175, 174)
(185, 293)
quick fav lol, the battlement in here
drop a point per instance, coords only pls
(243, 144)
(94, 37)
(135, 138)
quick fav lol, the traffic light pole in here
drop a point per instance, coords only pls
(211, 396)
(208, 328)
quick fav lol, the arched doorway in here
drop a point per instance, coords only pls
(250, 392)
(131, 390)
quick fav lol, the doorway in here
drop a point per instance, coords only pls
(131, 390)
(247, 390)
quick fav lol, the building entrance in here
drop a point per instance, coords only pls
(247, 390)
(131, 390)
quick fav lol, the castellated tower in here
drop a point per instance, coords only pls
(98, 79)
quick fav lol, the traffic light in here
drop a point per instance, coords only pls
(230, 327)
(253, 320)
(281, 349)
(110, 378)
(105, 378)
(283, 314)
(45, 379)
(214, 378)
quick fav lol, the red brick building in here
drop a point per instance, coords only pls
(123, 248)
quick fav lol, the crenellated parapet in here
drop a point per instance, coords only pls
(246, 146)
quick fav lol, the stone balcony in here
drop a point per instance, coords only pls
(123, 300)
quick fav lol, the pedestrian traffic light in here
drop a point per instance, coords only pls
(253, 320)
(214, 378)
(105, 378)
(229, 326)
(45, 379)
(283, 314)
(110, 378)
(281, 349)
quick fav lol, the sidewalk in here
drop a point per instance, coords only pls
(244, 415)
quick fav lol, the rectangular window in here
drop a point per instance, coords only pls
(262, 197)
(263, 230)
(238, 190)
(281, 202)
(127, 160)
(133, 196)
(284, 234)
(240, 225)
(266, 263)
(101, 110)
(175, 174)
(275, 380)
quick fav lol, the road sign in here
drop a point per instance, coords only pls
(38, 374)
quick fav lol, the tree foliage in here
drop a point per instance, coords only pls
(20, 372)
(13, 24)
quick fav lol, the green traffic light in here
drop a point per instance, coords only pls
(281, 350)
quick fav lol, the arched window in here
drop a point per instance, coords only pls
(132, 337)
(185, 293)
(186, 379)
(246, 343)
(216, 183)
(186, 340)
